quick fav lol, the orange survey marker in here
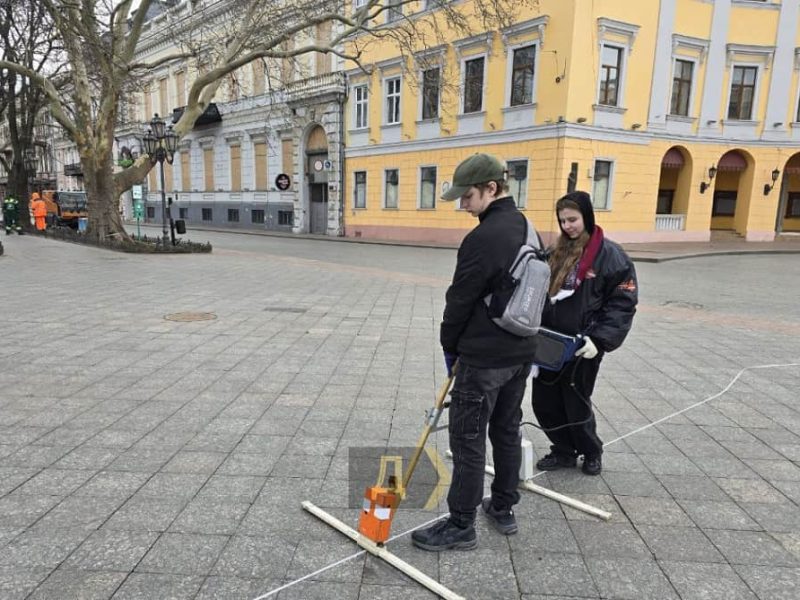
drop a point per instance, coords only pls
(381, 501)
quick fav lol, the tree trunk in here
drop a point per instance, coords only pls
(102, 200)
(18, 188)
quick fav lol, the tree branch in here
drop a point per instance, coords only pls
(54, 101)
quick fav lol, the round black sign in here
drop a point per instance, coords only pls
(283, 182)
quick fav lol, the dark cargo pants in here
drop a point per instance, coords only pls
(565, 397)
(480, 398)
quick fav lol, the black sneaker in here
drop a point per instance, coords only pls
(592, 465)
(445, 535)
(503, 521)
(553, 462)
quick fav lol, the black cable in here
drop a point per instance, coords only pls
(574, 389)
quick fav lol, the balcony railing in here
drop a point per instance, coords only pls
(73, 170)
(670, 222)
(210, 115)
(312, 87)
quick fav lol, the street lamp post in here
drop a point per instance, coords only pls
(160, 142)
(30, 162)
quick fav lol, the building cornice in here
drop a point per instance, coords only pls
(555, 131)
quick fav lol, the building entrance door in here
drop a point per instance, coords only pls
(319, 208)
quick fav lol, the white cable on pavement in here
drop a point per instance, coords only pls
(622, 437)
(345, 559)
(696, 404)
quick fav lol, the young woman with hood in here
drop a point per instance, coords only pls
(593, 294)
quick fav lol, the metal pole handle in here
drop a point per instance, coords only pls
(428, 427)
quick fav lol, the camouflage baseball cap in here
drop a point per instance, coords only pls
(478, 168)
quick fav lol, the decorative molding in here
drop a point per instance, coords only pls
(763, 53)
(431, 57)
(698, 45)
(234, 138)
(609, 109)
(389, 63)
(258, 137)
(481, 40)
(681, 119)
(765, 4)
(607, 26)
(206, 142)
(356, 72)
(537, 25)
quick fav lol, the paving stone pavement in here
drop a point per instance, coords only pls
(147, 458)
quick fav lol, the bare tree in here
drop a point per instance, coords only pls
(26, 38)
(100, 41)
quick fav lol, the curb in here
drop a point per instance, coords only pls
(348, 240)
(660, 259)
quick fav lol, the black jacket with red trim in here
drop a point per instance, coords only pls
(603, 305)
(484, 256)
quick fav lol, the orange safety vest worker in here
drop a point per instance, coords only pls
(39, 210)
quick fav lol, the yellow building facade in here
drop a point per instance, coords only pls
(680, 117)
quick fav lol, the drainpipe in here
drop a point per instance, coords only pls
(781, 204)
(342, 98)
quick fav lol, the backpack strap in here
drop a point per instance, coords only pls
(532, 238)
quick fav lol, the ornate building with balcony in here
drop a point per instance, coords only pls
(266, 154)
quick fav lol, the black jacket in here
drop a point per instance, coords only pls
(603, 305)
(485, 254)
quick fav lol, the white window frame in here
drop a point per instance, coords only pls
(419, 188)
(394, 11)
(384, 187)
(692, 88)
(510, 71)
(464, 61)
(386, 80)
(628, 31)
(796, 106)
(421, 101)
(611, 172)
(355, 189)
(509, 178)
(760, 68)
(363, 102)
(623, 68)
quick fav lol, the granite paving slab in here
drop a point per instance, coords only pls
(173, 463)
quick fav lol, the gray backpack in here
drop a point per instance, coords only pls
(516, 303)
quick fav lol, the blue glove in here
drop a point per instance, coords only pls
(449, 362)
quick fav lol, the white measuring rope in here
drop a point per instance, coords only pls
(622, 437)
(696, 404)
(345, 559)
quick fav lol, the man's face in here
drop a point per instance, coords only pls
(475, 201)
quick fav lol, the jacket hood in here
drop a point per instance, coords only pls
(584, 202)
